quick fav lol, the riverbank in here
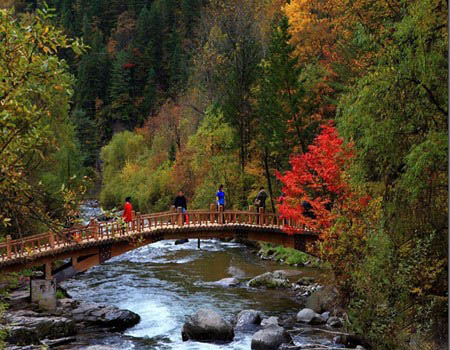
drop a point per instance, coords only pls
(26, 326)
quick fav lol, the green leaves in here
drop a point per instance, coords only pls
(34, 94)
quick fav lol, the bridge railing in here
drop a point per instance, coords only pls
(28, 246)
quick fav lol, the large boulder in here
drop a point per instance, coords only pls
(310, 317)
(28, 327)
(207, 326)
(323, 299)
(105, 316)
(248, 320)
(276, 279)
(270, 338)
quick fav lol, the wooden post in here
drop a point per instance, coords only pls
(8, 246)
(251, 209)
(139, 222)
(93, 228)
(48, 270)
(51, 239)
(180, 216)
(220, 218)
(261, 216)
(133, 221)
(212, 213)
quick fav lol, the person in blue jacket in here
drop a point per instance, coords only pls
(220, 197)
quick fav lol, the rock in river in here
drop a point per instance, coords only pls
(270, 338)
(248, 320)
(267, 322)
(310, 317)
(28, 327)
(105, 316)
(275, 279)
(208, 326)
(227, 282)
(322, 300)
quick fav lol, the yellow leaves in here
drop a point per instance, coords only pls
(418, 291)
(59, 88)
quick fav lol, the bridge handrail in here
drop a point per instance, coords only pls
(104, 230)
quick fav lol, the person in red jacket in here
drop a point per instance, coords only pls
(128, 210)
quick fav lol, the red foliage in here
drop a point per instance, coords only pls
(129, 65)
(316, 177)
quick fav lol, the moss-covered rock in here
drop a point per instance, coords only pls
(275, 279)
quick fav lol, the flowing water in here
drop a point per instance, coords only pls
(164, 283)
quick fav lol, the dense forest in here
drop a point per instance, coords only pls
(340, 103)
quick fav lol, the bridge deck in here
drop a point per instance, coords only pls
(35, 250)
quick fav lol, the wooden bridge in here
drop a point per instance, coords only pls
(95, 243)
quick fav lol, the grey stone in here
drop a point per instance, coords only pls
(227, 282)
(309, 316)
(119, 319)
(335, 322)
(248, 320)
(270, 338)
(325, 315)
(208, 326)
(57, 342)
(305, 281)
(276, 279)
(105, 316)
(323, 299)
(28, 328)
(181, 241)
(271, 321)
(86, 308)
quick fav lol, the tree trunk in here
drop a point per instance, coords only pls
(269, 181)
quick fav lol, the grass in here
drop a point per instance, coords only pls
(60, 294)
(288, 256)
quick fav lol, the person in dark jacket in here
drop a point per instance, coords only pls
(180, 201)
(260, 200)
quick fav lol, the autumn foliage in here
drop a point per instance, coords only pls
(317, 178)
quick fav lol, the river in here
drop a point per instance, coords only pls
(164, 283)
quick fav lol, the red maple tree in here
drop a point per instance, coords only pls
(315, 185)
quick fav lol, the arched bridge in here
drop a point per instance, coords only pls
(97, 242)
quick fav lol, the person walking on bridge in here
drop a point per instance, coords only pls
(127, 214)
(220, 197)
(180, 202)
(260, 200)
(127, 211)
